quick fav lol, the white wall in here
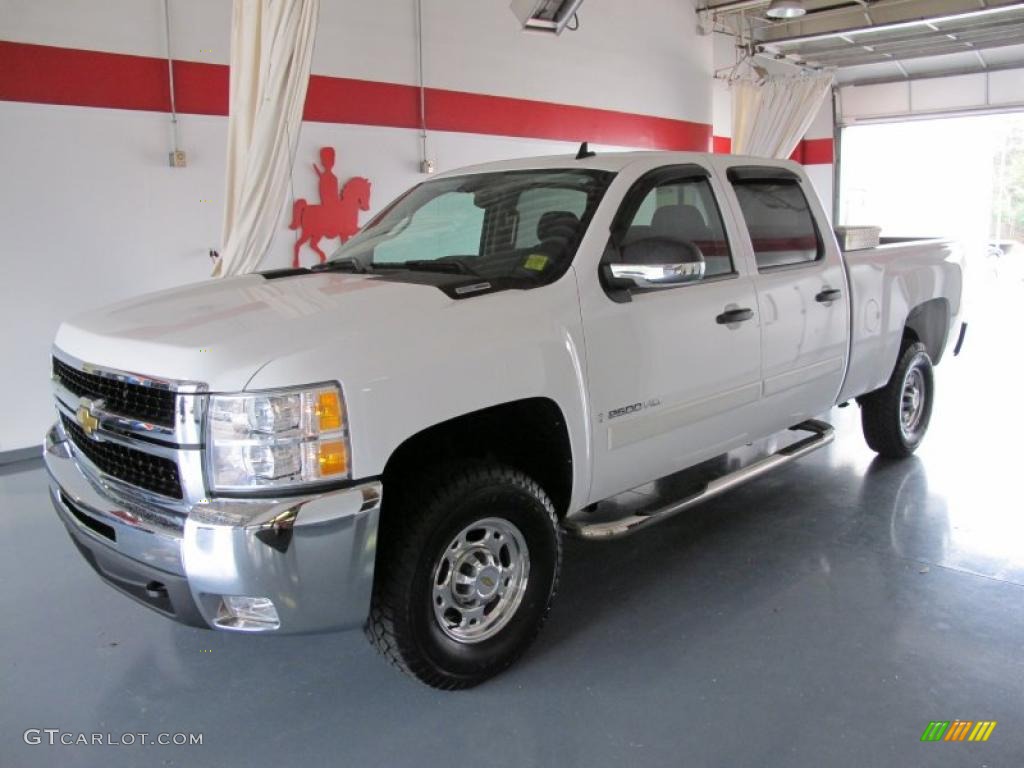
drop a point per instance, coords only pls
(821, 174)
(651, 62)
(90, 212)
(724, 56)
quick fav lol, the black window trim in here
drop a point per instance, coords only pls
(772, 174)
(631, 203)
(640, 188)
(760, 173)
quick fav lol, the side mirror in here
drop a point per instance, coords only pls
(657, 262)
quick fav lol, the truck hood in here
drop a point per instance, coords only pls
(220, 332)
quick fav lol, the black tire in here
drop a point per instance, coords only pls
(881, 414)
(419, 523)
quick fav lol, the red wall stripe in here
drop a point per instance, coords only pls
(813, 152)
(48, 75)
(807, 152)
(52, 75)
(721, 145)
(362, 102)
(818, 151)
(502, 116)
(200, 89)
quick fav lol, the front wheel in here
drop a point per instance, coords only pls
(895, 418)
(466, 572)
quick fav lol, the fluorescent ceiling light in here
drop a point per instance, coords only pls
(545, 15)
(933, 20)
(785, 9)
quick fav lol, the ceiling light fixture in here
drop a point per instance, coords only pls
(785, 9)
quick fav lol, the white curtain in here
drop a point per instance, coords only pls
(770, 117)
(271, 50)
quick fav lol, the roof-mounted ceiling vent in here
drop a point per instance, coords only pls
(546, 15)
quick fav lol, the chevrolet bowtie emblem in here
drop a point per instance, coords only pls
(84, 416)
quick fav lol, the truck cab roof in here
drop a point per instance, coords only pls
(616, 161)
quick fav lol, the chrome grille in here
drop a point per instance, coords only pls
(144, 470)
(133, 401)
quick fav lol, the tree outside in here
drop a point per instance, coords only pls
(1008, 182)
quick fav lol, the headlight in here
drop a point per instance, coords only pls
(279, 439)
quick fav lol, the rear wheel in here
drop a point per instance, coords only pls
(895, 418)
(466, 572)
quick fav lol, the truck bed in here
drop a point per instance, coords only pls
(886, 282)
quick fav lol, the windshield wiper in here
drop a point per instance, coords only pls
(431, 265)
(341, 265)
(356, 266)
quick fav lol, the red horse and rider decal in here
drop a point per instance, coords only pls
(337, 215)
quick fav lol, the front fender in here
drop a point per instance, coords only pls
(414, 372)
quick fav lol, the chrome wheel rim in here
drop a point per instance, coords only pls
(479, 580)
(912, 402)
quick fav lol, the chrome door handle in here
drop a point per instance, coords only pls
(828, 295)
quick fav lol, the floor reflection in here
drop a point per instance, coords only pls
(839, 596)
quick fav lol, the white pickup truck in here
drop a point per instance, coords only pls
(398, 438)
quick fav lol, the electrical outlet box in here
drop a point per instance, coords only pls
(178, 159)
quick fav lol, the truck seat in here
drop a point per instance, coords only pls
(556, 231)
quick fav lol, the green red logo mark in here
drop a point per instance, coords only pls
(958, 730)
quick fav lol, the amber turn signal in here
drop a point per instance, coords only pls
(333, 458)
(328, 411)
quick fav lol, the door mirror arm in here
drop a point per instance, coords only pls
(617, 288)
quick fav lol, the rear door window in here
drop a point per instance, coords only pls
(779, 220)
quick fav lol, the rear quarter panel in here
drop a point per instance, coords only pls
(886, 284)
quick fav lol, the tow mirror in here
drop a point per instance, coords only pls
(656, 262)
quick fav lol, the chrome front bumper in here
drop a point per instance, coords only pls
(313, 556)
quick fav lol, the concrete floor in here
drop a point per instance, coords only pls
(819, 616)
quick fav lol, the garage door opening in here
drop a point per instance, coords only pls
(960, 177)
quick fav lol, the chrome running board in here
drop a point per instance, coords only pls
(821, 435)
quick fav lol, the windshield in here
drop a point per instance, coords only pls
(523, 226)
